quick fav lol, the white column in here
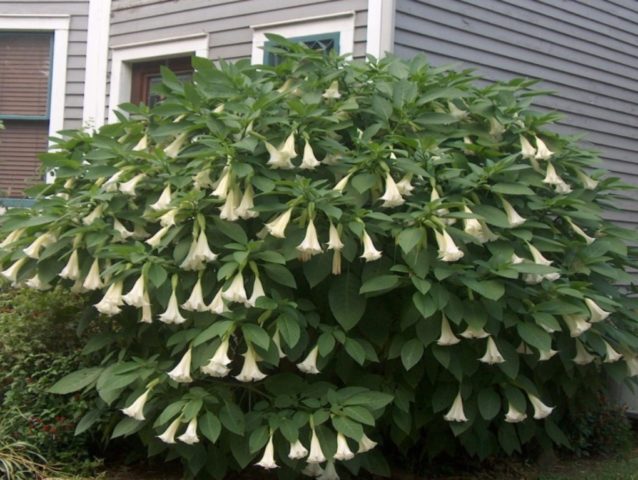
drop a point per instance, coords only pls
(380, 34)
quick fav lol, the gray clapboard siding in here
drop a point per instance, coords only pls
(76, 61)
(586, 51)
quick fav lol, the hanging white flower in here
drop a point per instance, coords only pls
(310, 245)
(405, 186)
(474, 227)
(391, 197)
(329, 473)
(597, 313)
(632, 366)
(496, 128)
(309, 365)
(366, 444)
(580, 232)
(198, 254)
(201, 180)
(14, 236)
(577, 325)
(121, 229)
(195, 302)
(71, 270)
(583, 357)
(516, 260)
(164, 199)
(588, 182)
(43, 241)
(250, 370)
(341, 184)
(611, 355)
(456, 112)
(316, 454)
(228, 211)
(245, 208)
(540, 409)
(309, 161)
(332, 92)
(539, 259)
(172, 314)
(136, 409)
(563, 188)
(172, 150)
(182, 371)
(111, 184)
(258, 292)
(169, 434)
(93, 280)
(236, 292)
(448, 251)
(135, 297)
(190, 435)
(552, 178)
(492, 355)
(343, 450)
(217, 306)
(447, 337)
(473, 332)
(370, 253)
(513, 218)
(297, 451)
(456, 413)
(268, 459)
(222, 186)
(276, 339)
(514, 415)
(527, 150)
(168, 219)
(112, 300)
(281, 157)
(147, 313)
(217, 366)
(332, 159)
(278, 226)
(128, 188)
(542, 152)
(94, 215)
(334, 241)
(36, 283)
(156, 239)
(545, 355)
(142, 144)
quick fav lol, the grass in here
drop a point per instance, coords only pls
(606, 469)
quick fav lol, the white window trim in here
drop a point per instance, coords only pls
(380, 34)
(342, 22)
(59, 25)
(125, 55)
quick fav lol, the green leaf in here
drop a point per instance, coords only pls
(360, 415)
(373, 400)
(424, 304)
(289, 330)
(210, 426)
(157, 275)
(435, 118)
(489, 403)
(556, 434)
(256, 335)
(491, 289)
(217, 329)
(231, 230)
(125, 427)
(355, 350)
(346, 304)
(535, 336)
(411, 352)
(258, 439)
(348, 427)
(232, 418)
(280, 274)
(410, 238)
(379, 283)
(76, 381)
(512, 189)
(87, 421)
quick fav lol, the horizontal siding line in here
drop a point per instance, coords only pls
(560, 61)
(626, 14)
(572, 105)
(572, 119)
(516, 74)
(629, 5)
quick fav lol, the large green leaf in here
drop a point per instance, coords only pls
(346, 304)
(76, 381)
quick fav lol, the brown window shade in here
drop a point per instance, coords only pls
(147, 74)
(25, 64)
(20, 142)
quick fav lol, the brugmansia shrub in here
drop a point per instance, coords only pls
(306, 260)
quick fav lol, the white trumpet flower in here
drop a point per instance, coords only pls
(492, 355)
(332, 159)
(343, 450)
(334, 241)
(516, 260)
(597, 313)
(474, 227)
(168, 219)
(195, 302)
(309, 365)
(136, 409)
(43, 241)
(576, 324)
(456, 112)
(217, 366)
(268, 459)
(391, 197)
(276, 339)
(71, 270)
(172, 150)
(611, 355)
(540, 409)
(405, 186)
(164, 199)
(222, 186)
(172, 314)
(94, 215)
(111, 184)
(297, 451)
(245, 208)
(93, 280)
(456, 413)
(448, 251)
(447, 337)
(147, 312)
(201, 179)
(527, 150)
(472, 332)
(542, 152)
(563, 188)
(198, 253)
(217, 306)
(309, 161)
(169, 434)
(329, 473)
(278, 226)
(36, 283)
(250, 370)
(496, 128)
(156, 239)
(632, 366)
(236, 292)
(228, 211)
(112, 300)
(366, 444)
(513, 218)
(332, 92)
(182, 371)
(310, 245)
(370, 253)
(545, 355)
(136, 296)
(128, 188)
(142, 144)
(514, 415)
(121, 229)
(14, 236)
(316, 454)
(552, 178)
(580, 232)
(281, 157)
(190, 437)
(588, 182)
(258, 292)
(341, 184)
(539, 259)
(583, 357)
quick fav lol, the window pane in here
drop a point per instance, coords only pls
(20, 142)
(25, 63)
(324, 42)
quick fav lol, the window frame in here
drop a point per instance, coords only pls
(270, 57)
(341, 23)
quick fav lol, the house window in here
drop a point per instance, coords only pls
(25, 92)
(325, 43)
(329, 32)
(146, 76)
